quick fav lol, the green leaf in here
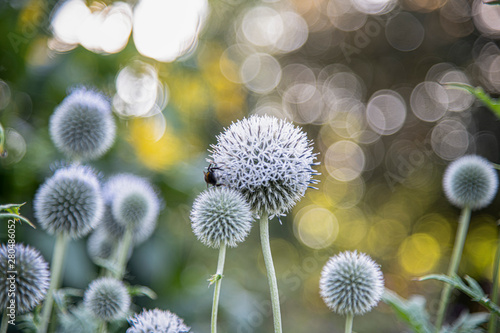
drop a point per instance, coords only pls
(13, 211)
(61, 297)
(491, 103)
(472, 289)
(411, 311)
(142, 291)
(467, 323)
(492, 3)
(475, 287)
(214, 278)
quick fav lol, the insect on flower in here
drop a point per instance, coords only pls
(210, 176)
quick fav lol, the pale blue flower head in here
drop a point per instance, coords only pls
(268, 160)
(69, 202)
(221, 214)
(82, 126)
(131, 202)
(31, 281)
(101, 245)
(157, 321)
(351, 283)
(107, 299)
(470, 181)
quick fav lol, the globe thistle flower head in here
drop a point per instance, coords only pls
(100, 245)
(221, 214)
(351, 283)
(107, 299)
(268, 160)
(69, 202)
(131, 202)
(470, 181)
(157, 321)
(82, 126)
(31, 281)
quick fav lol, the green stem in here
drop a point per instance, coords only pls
(56, 270)
(103, 328)
(348, 323)
(122, 254)
(271, 274)
(5, 322)
(218, 280)
(463, 226)
(494, 293)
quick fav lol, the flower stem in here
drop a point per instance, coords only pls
(218, 280)
(55, 279)
(348, 323)
(5, 322)
(271, 274)
(463, 226)
(103, 327)
(494, 293)
(122, 254)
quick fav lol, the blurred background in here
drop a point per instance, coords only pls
(362, 77)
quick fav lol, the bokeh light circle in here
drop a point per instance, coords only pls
(419, 253)
(450, 139)
(404, 32)
(260, 72)
(262, 26)
(429, 101)
(386, 112)
(166, 30)
(345, 160)
(316, 227)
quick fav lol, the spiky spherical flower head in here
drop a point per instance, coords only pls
(157, 321)
(82, 126)
(107, 299)
(31, 281)
(351, 283)
(100, 244)
(221, 214)
(470, 181)
(268, 160)
(131, 202)
(70, 202)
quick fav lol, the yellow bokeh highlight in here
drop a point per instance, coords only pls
(418, 254)
(353, 227)
(227, 98)
(437, 226)
(154, 154)
(316, 227)
(188, 92)
(480, 247)
(384, 236)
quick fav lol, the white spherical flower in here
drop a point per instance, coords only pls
(82, 126)
(221, 214)
(157, 321)
(268, 160)
(107, 299)
(351, 283)
(70, 202)
(470, 181)
(101, 245)
(131, 202)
